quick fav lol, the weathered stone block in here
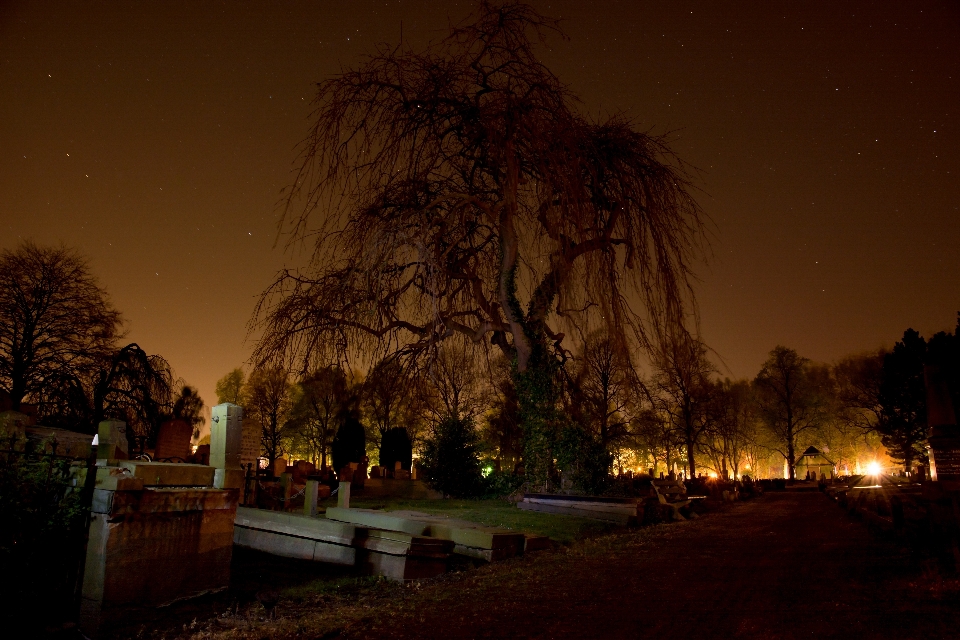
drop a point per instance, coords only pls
(169, 474)
(149, 548)
(226, 435)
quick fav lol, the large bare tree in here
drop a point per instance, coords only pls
(56, 321)
(460, 189)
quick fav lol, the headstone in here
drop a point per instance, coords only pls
(310, 494)
(343, 495)
(225, 435)
(360, 473)
(173, 440)
(251, 434)
(302, 469)
(286, 488)
(111, 442)
(279, 467)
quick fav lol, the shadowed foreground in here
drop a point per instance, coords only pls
(790, 565)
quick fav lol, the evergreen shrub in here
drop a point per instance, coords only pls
(451, 459)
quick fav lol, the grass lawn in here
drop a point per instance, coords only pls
(495, 513)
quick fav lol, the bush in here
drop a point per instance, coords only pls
(349, 445)
(500, 484)
(585, 458)
(395, 447)
(40, 524)
(451, 459)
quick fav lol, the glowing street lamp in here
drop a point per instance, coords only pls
(874, 468)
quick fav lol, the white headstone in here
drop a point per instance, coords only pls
(226, 426)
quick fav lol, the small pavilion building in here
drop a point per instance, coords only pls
(813, 465)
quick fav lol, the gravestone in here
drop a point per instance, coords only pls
(360, 473)
(251, 434)
(226, 423)
(111, 442)
(310, 495)
(343, 495)
(173, 440)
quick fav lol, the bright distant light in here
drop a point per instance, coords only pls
(874, 468)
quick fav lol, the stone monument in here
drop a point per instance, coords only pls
(226, 431)
(173, 440)
(111, 442)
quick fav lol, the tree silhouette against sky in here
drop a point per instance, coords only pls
(461, 190)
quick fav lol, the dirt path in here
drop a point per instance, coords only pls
(789, 565)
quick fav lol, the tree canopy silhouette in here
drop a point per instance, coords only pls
(451, 182)
(56, 321)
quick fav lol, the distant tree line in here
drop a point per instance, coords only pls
(674, 413)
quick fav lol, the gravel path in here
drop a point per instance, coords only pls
(789, 565)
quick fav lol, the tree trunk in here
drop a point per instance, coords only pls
(791, 457)
(509, 252)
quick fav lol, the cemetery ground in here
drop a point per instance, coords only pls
(786, 565)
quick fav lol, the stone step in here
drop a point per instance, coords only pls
(460, 532)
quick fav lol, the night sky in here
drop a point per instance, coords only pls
(156, 137)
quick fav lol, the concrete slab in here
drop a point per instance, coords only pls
(293, 524)
(460, 532)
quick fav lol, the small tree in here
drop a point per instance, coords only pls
(321, 398)
(188, 406)
(599, 389)
(268, 401)
(395, 447)
(350, 443)
(451, 458)
(682, 389)
(230, 387)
